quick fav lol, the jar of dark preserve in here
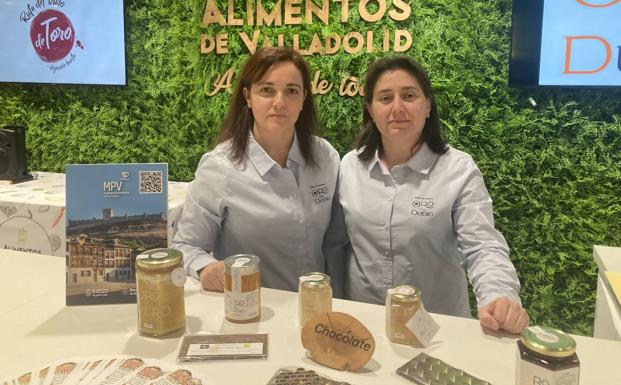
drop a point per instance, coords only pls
(547, 356)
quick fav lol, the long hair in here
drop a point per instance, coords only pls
(239, 119)
(370, 139)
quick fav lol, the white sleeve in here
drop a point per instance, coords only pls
(202, 216)
(484, 251)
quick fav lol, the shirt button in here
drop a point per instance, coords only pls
(386, 253)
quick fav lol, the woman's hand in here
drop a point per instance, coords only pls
(503, 313)
(212, 276)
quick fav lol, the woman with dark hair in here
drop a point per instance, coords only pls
(267, 187)
(417, 211)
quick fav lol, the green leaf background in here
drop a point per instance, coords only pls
(553, 170)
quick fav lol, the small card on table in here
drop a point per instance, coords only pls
(200, 347)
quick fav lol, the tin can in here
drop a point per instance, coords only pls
(242, 288)
(314, 296)
(159, 280)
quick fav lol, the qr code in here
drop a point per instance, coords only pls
(150, 182)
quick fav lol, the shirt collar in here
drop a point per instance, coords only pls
(262, 161)
(421, 162)
(374, 163)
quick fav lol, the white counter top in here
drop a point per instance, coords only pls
(36, 328)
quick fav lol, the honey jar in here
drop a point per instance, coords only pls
(159, 281)
(314, 296)
(546, 356)
(242, 288)
(402, 302)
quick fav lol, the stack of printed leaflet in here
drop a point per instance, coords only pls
(105, 371)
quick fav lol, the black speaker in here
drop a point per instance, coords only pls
(13, 154)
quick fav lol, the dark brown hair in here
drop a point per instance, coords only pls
(369, 138)
(239, 119)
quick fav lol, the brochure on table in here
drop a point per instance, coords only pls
(114, 213)
(110, 370)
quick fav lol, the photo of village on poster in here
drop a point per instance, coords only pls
(114, 213)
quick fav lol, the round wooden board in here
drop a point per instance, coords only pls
(338, 340)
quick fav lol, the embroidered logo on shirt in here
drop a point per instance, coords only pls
(321, 193)
(422, 207)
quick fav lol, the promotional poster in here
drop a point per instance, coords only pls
(62, 41)
(114, 213)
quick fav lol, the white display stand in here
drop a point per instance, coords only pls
(32, 214)
(37, 328)
(607, 322)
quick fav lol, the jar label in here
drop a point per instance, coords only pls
(236, 280)
(242, 306)
(236, 273)
(423, 326)
(529, 373)
(178, 277)
(159, 255)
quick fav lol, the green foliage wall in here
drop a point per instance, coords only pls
(553, 171)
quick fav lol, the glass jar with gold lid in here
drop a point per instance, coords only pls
(548, 356)
(242, 288)
(159, 281)
(402, 302)
(314, 296)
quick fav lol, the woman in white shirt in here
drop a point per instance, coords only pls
(417, 211)
(267, 188)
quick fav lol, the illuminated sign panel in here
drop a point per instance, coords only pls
(566, 43)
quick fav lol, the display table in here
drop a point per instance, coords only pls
(37, 328)
(32, 214)
(607, 309)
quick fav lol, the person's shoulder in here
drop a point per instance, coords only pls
(324, 150)
(215, 162)
(457, 155)
(456, 159)
(351, 161)
(213, 173)
(351, 156)
(217, 155)
(322, 144)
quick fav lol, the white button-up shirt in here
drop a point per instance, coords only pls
(258, 207)
(423, 223)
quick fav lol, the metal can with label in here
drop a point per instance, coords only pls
(242, 288)
(160, 279)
